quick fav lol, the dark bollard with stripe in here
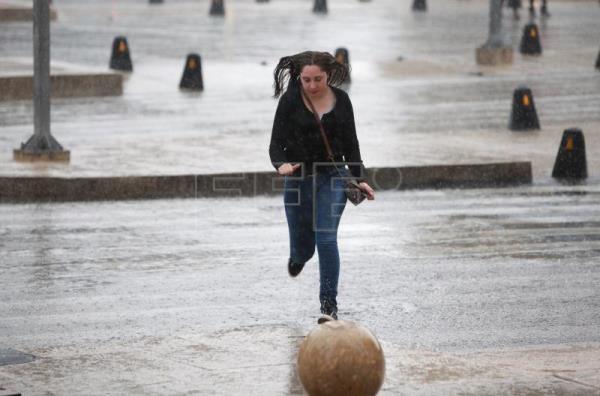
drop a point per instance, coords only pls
(217, 8)
(530, 42)
(120, 58)
(320, 7)
(523, 116)
(192, 74)
(419, 5)
(342, 56)
(570, 161)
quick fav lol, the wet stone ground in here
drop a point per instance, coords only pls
(476, 291)
(419, 98)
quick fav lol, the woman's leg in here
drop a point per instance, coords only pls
(297, 197)
(330, 203)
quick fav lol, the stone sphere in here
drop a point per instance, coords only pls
(341, 358)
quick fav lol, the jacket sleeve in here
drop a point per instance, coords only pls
(351, 146)
(277, 146)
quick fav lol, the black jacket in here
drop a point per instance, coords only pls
(296, 137)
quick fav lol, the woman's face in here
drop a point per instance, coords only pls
(314, 80)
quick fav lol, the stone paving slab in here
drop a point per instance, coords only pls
(23, 66)
(11, 12)
(66, 80)
(203, 364)
(30, 189)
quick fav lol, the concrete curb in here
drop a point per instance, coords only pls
(63, 86)
(45, 189)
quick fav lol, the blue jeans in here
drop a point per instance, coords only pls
(313, 207)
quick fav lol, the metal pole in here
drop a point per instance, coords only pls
(495, 51)
(41, 67)
(495, 39)
(41, 145)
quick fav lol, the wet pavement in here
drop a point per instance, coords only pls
(434, 106)
(24, 66)
(490, 291)
(481, 292)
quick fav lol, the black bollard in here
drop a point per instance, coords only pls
(570, 161)
(530, 42)
(320, 7)
(217, 8)
(192, 74)
(523, 116)
(120, 58)
(598, 61)
(419, 5)
(342, 56)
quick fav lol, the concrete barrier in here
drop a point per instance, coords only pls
(63, 86)
(47, 189)
(10, 13)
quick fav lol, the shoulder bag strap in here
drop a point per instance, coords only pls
(323, 135)
(326, 141)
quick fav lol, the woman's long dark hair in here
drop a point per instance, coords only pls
(289, 67)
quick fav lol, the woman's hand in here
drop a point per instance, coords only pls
(287, 169)
(368, 190)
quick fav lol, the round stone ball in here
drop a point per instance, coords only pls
(341, 358)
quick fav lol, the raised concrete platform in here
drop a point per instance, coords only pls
(50, 156)
(494, 56)
(67, 80)
(18, 13)
(63, 86)
(44, 189)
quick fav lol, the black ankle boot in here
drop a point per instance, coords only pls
(329, 308)
(294, 268)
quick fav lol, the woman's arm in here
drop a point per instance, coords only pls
(352, 152)
(279, 134)
(351, 146)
